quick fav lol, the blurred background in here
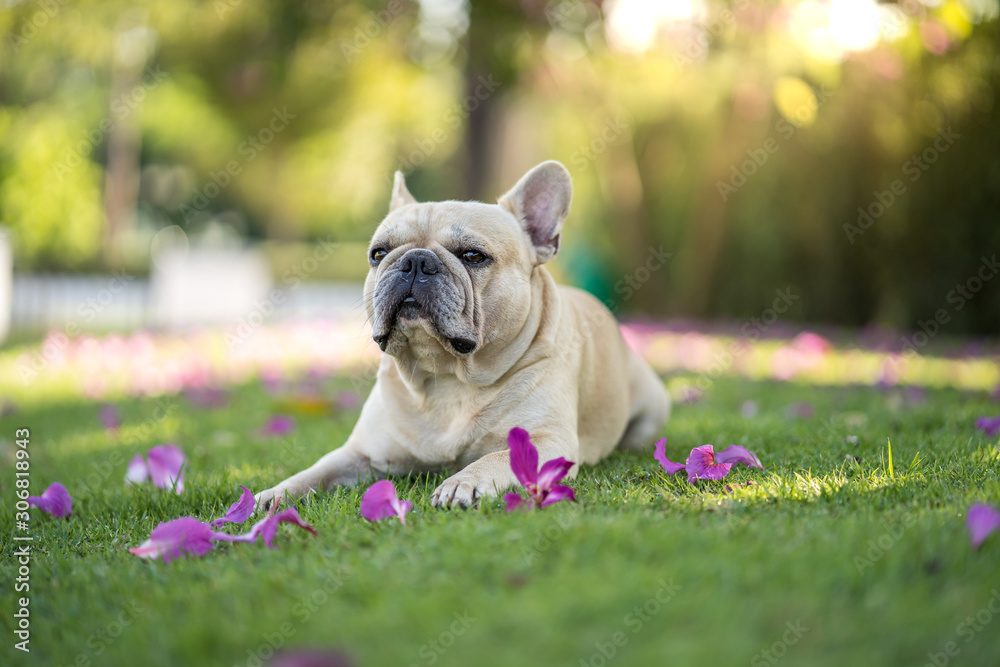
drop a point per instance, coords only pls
(179, 162)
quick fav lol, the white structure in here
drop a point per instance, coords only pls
(208, 286)
(6, 282)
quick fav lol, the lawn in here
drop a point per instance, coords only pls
(829, 556)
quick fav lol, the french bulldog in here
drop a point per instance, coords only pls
(477, 339)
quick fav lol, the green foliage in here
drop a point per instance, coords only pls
(734, 141)
(50, 191)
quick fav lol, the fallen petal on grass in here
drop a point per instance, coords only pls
(189, 536)
(174, 539)
(738, 454)
(166, 463)
(514, 501)
(704, 463)
(207, 397)
(239, 511)
(660, 454)
(55, 500)
(109, 417)
(138, 470)
(311, 658)
(380, 501)
(540, 484)
(268, 527)
(982, 521)
(278, 425)
(989, 425)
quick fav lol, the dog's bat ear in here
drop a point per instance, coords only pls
(400, 195)
(540, 202)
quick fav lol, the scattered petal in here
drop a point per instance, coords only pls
(660, 454)
(553, 471)
(982, 521)
(173, 539)
(239, 511)
(55, 500)
(109, 417)
(311, 658)
(540, 484)
(523, 456)
(689, 395)
(916, 395)
(514, 501)
(278, 425)
(268, 527)
(701, 464)
(138, 471)
(166, 463)
(207, 397)
(738, 454)
(989, 425)
(558, 492)
(800, 410)
(380, 501)
(348, 400)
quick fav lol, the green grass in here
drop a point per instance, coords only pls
(797, 543)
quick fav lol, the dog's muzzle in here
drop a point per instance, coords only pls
(416, 282)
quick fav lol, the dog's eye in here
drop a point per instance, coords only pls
(473, 256)
(378, 254)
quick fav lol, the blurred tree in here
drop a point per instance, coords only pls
(758, 143)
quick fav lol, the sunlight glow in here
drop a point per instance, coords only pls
(632, 26)
(830, 29)
(854, 24)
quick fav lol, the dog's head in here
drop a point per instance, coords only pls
(454, 276)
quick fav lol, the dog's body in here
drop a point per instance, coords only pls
(479, 339)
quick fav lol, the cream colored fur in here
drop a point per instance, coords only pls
(549, 359)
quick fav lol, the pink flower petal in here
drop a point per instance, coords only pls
(553, 471)
(278, 425)
(173, 539)
(989, 425)
(523, 456)
(800, 410)
(558, 492)
(738, 454)
(514, 501)
(138, 471)
(165, 467)
(660, 454)
(402, 507)
(701, 464)
(348, 400)
(982, 520)
(109, 417)
(268, 527)
(380, 501)
(207, 397)
(311, 658)
(55, 500)
(239, 511)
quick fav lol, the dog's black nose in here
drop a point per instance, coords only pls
(419, 262)
(463, 345)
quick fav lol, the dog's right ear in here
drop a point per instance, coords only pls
(540, 202)
(400, 195)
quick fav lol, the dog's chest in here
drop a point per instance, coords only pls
(440, 425)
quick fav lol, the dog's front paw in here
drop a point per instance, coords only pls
(464, 489)
(283, 494)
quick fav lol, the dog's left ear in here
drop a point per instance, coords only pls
(400, 195)
(540, 202)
